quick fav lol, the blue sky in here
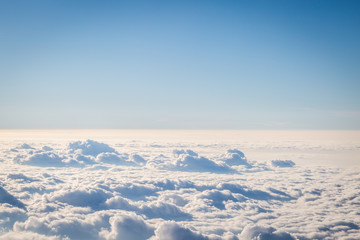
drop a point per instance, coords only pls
(180, 64)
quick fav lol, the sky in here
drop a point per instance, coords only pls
(180, 64)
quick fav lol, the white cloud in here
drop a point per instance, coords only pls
(20, 176)
(45, 159)
(92, 191)
(164, 211)
(173, 231)
(26, 235)
(82, 197)
(130, 227)
(282, 163)
(255, 232)
(113, 158)
(190, 161)
(6, 197)
(9, 215)
(234, 157)
(90, 147)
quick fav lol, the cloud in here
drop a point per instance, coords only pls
(118, 202)
(174, 231)
(191, 162)
(20, 176)
(82, 197)
(90, 147)
(122, 195)
(218, 198)
(174, 199)
(339, 226)
(282, 163)
(180, 152)
(25, 146)
(245, 191)
(83, 159)
(234, 157)
(129, 227)
(151, 210)
(26, 235)
(46, 148)
(6, 197)
(114, 158)
(136, 191)
(137, 159)
(164, 211)
(254, 232)
(66, 224)
(10, 214)
(45, 159)
(79, 154)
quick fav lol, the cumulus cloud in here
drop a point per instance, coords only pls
(188, 160)
(79, 154)
(83, 197)
(247, 192)
(26, 235)
(164, 211)
(90, 147)
(339, 226)
(136, 191)
(67, 225)
(234, 157)
(89, 190)
(254, 232)
(45, 159)
(25, 146)
(137, 159)
(130, 227)
(6, 197)
(174, 231)
(113, 158)
(218, 198)
(20, 176)
(282, 163)
(10, 214)
(118, 202)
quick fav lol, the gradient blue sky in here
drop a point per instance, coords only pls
(180, 64)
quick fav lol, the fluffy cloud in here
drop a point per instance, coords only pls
(234, 157)
(79, 154)
(86, 197)
(90, 147)
(66, 224)
(130, 227)
(190, 161)
(45, 159)
(6, 197)
(218, 198)
(9, 215)
(173, 231)
(26, 235)
(282, 163)
(89, 190)
(118, 202)
(136, 191)
(20, 176)
(254, 232)
(164, 211)
(113, 158)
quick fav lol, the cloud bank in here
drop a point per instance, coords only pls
(94, 190)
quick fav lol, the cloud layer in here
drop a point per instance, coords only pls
(94, 190)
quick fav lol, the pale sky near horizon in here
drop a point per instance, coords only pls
(180, 64)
